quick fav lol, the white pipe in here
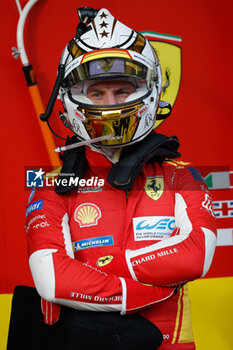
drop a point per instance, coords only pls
(20, 29)
(84, 143)
(19, 6)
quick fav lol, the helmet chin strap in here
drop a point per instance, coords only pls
(84, 143)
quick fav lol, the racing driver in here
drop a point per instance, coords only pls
(129, 244)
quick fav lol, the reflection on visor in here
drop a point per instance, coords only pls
(107, 67)
(122, 123)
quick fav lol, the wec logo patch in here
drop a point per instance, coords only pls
(153, 227)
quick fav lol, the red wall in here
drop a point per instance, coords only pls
(201, 118)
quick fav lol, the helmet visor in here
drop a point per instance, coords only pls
(121, 122)
(108, 68)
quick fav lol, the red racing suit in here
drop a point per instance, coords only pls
(99, 248)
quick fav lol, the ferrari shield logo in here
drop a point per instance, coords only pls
(106, 64)
(104, 260)
(154, 187)
(168, 50)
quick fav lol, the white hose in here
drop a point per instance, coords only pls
(84, 143)
(20, 28)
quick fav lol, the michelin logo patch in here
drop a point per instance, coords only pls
(153, 227)
(34, 206)
(92, 243)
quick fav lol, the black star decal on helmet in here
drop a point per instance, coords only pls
(103, 24)
(104, 34)
(103, 15)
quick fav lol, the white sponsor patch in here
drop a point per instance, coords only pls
(207, 204)
(153, 227)
(33, 220)
(41, 225)
(224, 237)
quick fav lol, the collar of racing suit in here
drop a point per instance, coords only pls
(122, 174)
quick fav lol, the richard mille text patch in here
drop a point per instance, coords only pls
(153, 227)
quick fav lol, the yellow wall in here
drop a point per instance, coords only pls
(5, 308)
(212, 308)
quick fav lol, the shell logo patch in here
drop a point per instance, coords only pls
(154, 187)
(87, 214)
(104, 260)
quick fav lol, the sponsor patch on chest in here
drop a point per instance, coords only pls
(93, 242)
(153, 227)
(154, 187)
(87, 214)
(34, 206)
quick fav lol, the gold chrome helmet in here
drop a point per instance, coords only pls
(110, 50)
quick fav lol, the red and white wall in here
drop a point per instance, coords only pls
(201, 118)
